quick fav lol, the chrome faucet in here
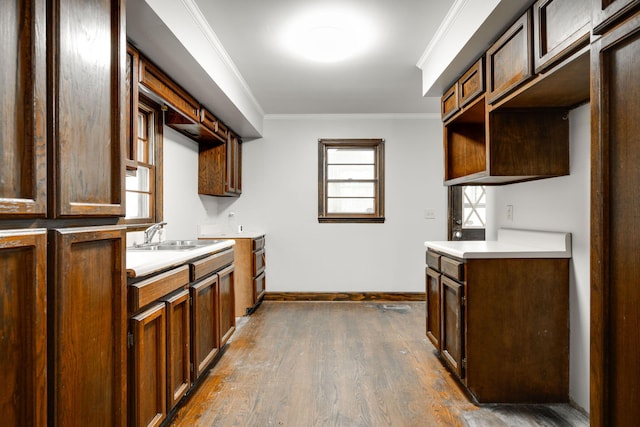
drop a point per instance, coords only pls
(150, 232)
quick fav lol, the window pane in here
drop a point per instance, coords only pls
(351, 172)
(139, 182)
(138, 205)
(337, 206)
(474, 207)
(351, 189)
(345, 155)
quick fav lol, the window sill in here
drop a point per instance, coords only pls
(351, 219)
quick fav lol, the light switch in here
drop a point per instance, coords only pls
(430, 213)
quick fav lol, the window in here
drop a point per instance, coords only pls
(351, 180)
(467, 212)
(144, 181)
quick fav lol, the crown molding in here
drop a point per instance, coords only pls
(442, 30)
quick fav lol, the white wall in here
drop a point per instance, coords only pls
(280, 197)
(560, 204)
(184, 209)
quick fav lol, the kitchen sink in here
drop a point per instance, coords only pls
(174, 245)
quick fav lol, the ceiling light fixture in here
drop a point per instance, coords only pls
(328, 35)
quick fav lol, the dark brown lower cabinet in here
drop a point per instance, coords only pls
(227, 310)
(433, 307)
(615, 236)
(502, 326)
(149, 355)
(23, 327)
(178, 347)
(205, 341)
(87, 327)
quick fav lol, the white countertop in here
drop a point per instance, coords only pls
(511, 243)
(228, 235)
(142, 263)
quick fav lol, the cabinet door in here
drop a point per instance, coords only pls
(87, 73)
(259, 262)
(233, 182)
(131, 108)
(559, 27)
(615, 242)
(23, 327)
(608, 12)
(204, 324)
(227, 319)
(149, 367)
(23, 143)
(509, 60)
(433, 307)
(178, 347)
(452, 340)
(88, 323)
(449, 102)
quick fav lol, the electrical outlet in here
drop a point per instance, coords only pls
(509, 213)
(430, 213)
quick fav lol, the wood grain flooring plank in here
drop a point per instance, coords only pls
(346, 364)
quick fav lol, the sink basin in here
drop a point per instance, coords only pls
(174, 245)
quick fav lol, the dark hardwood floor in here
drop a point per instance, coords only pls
(344, 364)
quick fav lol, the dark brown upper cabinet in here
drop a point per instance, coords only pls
(159, 84)
(220, 168)
(23, 117)
(463, 91)
(606, 13)
(86, 57)
(559, 28)
(510, 59)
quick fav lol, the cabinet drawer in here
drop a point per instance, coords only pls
(449, 102)
(209, 121)
(258, 243)
(259, 285)
(210, 264)
(559, 28)
(509, 59)
(452, 268)
(433, 260)
(153, 288)
(471, 84)
(259, 262)
(159, 83)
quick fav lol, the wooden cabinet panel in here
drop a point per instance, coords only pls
(452, 340)
(148, 382)
(23, 327)
(471, 84)
(449, 102)
(153, 79)
(608, 12)
(615, 241)
(433, 310)
(259, 262)
(204, 324)
(510, 60)
(23, 143)
(88, 104)
(433, 260)
(87, 315)
(210, 122)
(178, 347)
(559, 27)
(227, 310)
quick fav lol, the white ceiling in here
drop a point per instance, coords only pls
(384, 80)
